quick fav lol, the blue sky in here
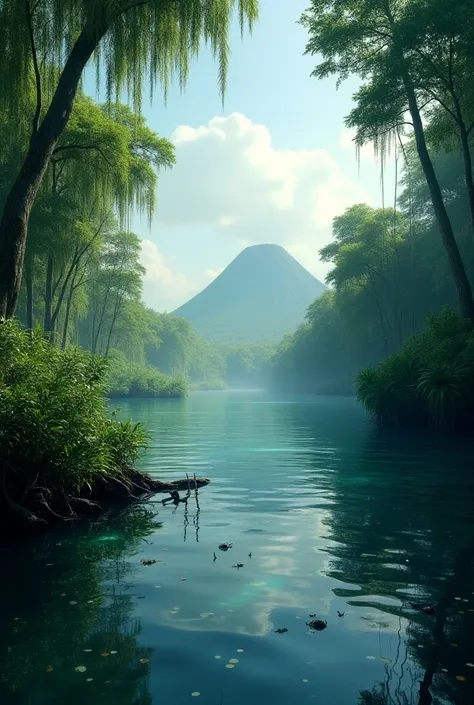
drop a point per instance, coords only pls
(275, 166)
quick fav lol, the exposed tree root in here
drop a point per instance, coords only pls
(23, 503)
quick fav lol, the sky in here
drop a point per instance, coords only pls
(275, 165)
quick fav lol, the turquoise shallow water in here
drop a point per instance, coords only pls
(336, 516)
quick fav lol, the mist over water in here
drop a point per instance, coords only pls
(336, 516)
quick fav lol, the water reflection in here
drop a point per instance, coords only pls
(401, 537)
(67, 629)
(326, 515)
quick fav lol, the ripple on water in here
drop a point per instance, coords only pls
(330, 510)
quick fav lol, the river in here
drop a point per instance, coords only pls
(326, 514)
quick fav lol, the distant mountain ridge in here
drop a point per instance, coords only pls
(259, 297)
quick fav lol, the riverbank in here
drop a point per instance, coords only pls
(63, 454)
(40, 507)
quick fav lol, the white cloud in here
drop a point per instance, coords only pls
(166, 288)
(213, 273)
(230, 176)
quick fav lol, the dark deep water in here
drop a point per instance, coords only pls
(336, 516)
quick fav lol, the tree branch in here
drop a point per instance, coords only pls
(83, 146)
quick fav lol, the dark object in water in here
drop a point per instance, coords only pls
(426, 609)
(215, 557)
(317, 624)
(340, 614)
(280, 631)
(224, 546)
(238, 565)
(148, 561)
(250, 554)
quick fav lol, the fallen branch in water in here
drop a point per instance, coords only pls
(26, 504)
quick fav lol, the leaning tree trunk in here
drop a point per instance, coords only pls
(20, 200)
(458, 271)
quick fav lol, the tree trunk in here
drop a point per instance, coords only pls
(48, 296)
(18, 204)
(458, 271)
(118, 302)
(29, 294)
(467, 157)
(68, 310)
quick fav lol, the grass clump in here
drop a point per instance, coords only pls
(429, 383)
(131, 379)
(58, 442)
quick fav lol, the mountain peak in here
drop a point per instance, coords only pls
(259, 297)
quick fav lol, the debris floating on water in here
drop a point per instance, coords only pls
(317, 624)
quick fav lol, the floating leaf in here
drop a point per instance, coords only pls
(233, 660)
(176, 607)
(49, 669)
(105, 653)
(465, 600)
(453, 644)
(240, 651)
(305, 680)
(229, 665)
(87, 651)
(113, 652)
(371, 658)
(144, 660)
(386, 660)
(420, 646)
(80, 669)
(458, 598)
(217, 657)
(445, 670)
(196, 694)
(460, 678)
(73, 602)
(89, 679)
(182, 579)
(470, 665)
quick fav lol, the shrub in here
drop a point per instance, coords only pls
(131, 379)
(57, 438)
(429, 383)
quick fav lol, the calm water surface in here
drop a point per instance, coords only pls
(336, 517)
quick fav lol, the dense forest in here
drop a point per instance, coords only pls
(73, 326)
(406, 267)
(82, 279)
